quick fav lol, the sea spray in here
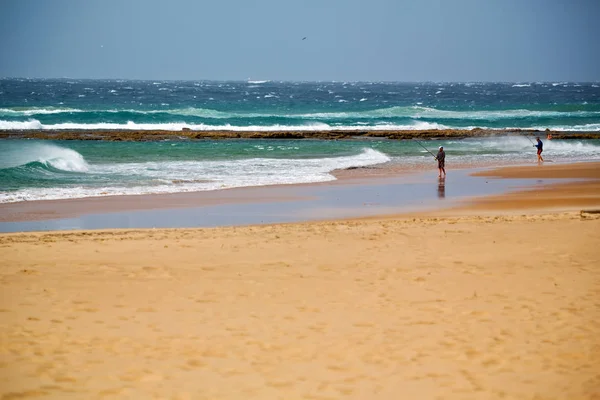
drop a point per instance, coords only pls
(16, 153)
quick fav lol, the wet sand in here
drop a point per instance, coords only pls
(586, 170)
(502, 306)
(584, 193)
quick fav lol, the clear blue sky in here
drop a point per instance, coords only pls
(346, 40)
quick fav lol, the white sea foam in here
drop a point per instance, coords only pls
(187, 176)
(72, 164)
(571, 148)
(315, 126)
(37, 111)
(574, 128)
(514, 149)
(416, 124)
(518, 144)
(418, 112)
(521, 85)
(31, 124)
(190, 111)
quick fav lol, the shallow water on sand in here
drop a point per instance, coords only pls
(415, 192)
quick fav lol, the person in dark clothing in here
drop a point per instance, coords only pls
(441, 159)
(540, 148)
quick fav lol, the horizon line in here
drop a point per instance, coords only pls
(259, 81)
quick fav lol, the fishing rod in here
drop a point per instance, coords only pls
(434, 156)
(528, 138)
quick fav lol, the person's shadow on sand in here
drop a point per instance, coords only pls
(442, 187)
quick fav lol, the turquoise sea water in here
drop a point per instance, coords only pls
(39, 170)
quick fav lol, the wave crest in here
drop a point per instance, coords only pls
(49, 155)
(414, 112)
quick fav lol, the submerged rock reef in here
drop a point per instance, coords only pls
(188, 134)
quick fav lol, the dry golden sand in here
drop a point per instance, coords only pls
(450, 308)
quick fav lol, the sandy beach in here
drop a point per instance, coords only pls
(453, 305)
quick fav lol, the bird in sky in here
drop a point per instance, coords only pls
(304, 38)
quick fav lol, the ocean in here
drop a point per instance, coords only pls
(42, 170)
(266, 105)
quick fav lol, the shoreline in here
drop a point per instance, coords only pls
(357, 193)
(333, 134)
(72, 207)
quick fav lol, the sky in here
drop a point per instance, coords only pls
(346, 40)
